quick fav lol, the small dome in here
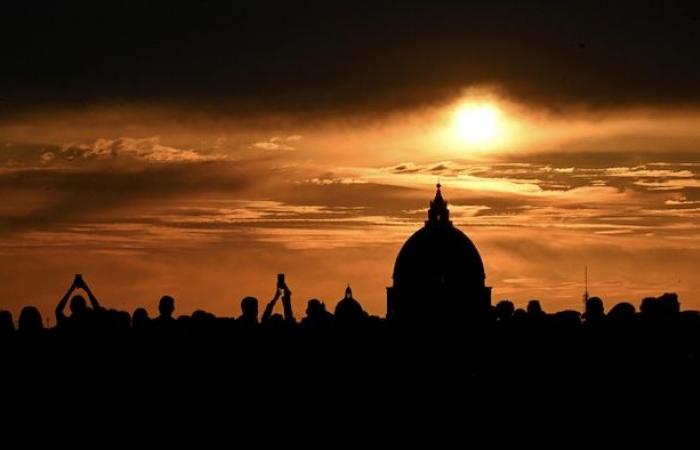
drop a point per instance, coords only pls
(349, 309)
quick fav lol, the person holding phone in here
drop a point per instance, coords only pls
(286, 301)
(81, 316)
(281, 291)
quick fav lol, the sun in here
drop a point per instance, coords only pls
(477, 123)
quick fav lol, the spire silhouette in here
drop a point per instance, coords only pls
(585, 285)
(438, 212)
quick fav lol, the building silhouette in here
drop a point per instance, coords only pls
(349, 310)
(438, 274)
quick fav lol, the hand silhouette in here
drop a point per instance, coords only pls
(78, 282)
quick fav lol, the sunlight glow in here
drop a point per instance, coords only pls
(477, 123)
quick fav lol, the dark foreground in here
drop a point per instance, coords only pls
(430, 385)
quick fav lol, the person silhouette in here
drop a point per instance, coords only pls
(505, 310)
(166, 308)
(317, 317)
(595, 311)
(165, 322)
(534, 309)
(282, 291)
(249, 313)
(622, 314)
(267, 313)
(656, 309)
(81, 316)
(140, 320)
(7, 326)
(287, 305)
(30, 322)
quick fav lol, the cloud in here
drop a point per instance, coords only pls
(329, 179)
(643, 172)
(448, 168)
(561, 184)
(277, 143)
(681, 201)
(669, 185)
(73, 195)
(47, 157)
(144, 149)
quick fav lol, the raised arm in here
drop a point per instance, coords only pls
(60, 315)
(269, 307)
(93, 300)
(287, 304)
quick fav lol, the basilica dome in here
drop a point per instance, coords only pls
(439, 254)
(438, 267)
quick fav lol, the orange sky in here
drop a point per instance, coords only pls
(146, 201)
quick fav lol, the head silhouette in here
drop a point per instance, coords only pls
(315, 308)
(595, 311)
(121, 320)
(30, 320)
(140, 320)
(166, 306)
(249, 308)
(6, 324)
(534, 309)
(622, 312)
(78, 305)
(504, 310)
(519, 315)
(276, 321)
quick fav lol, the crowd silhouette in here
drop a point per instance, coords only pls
(657, 345)
(90, 318)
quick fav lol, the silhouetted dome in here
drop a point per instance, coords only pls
(437, 270)
(439, 253)
(348, 308)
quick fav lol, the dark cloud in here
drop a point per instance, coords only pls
(359, 57)
(75, 195)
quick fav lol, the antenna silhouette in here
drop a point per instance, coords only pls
(585, 284)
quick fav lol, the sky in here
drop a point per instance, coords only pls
(199, 150)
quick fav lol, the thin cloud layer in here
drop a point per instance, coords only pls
(146, 149)
(278, 143)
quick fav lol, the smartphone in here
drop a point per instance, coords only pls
(280, 279)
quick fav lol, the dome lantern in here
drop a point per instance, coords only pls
(438, 212)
